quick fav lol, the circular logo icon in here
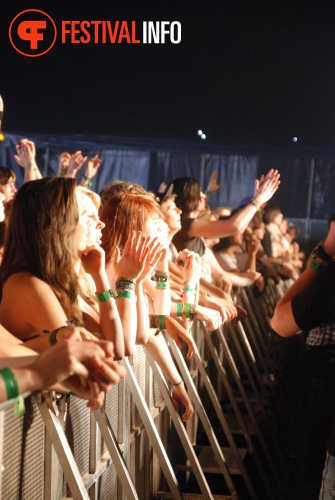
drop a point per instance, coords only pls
(32, 33)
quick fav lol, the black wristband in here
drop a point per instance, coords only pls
(319, 253)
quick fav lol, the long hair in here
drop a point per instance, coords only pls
(187, 191)
(123, 213)
(40, 238)
(117, 187)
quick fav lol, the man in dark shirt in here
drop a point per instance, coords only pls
(310, 304)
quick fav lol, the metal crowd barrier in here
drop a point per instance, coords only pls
(136, 446)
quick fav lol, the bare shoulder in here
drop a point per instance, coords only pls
(24, 281)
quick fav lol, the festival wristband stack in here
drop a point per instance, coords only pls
(161, 280)
(158, 321)
(186, 310)
(125, 288)
(103, 296)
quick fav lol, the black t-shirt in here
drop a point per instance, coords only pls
(182, 239)
(316, 303)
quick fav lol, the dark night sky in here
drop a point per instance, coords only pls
(245, 72)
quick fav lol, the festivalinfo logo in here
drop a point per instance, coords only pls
(33, 32)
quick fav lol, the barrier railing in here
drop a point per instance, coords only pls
(60, 449)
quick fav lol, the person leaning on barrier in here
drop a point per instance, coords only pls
(211, 298)
(123, 213)
(100, 309)
(85, 368)
(310, 304)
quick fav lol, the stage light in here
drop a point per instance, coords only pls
(203, 136)
(199, 133)
(295, 139)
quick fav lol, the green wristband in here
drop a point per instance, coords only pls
(160, 321)
(162, 285)
(103, 296)
(125, 294)
(187, 309)
(87, 180)
(12, 388)
(317, 266)
(188, 289)
(179, 309)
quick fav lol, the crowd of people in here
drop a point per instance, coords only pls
(93, 275)
(77, 268)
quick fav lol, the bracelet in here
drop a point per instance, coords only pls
(161, 321)
(256, 202)
(87, 181)
(208, 192)
(158, 321)
(124, 282)
(125, 294)
(162, 285)
(160, 276)
(10, 381)
(249, 282)
(31, 165)
(103, 296)
(193, 312)
(53, 335)
(317, 266)
(175, 385)
(179, 306)
(125, 286)
(60, 174)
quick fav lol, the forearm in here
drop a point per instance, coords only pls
(109, 316)
(162, 295)
(142, 312)
(251, 262)
(159, 350)
(27, 380)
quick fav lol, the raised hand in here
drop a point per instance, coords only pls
(192, 267)
(93, 164)
(76, 162)
(63, 163)
(26, 153)
(93, 260)
(266, 186)
(139, 256)
(213, 185)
